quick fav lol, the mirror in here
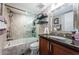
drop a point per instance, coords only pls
(63, 18)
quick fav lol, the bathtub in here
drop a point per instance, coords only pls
(18, 46)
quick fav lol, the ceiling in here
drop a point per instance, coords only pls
(31, 8)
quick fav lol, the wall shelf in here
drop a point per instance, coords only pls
(42, 17)
(42, 22)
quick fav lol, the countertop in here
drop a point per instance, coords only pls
(60, 42)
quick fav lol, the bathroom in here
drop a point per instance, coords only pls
(26, 24)
(19, 30)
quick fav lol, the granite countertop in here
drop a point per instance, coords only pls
(67, 43)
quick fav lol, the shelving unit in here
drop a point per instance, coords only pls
(42, 19)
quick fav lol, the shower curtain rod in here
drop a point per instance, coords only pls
(15, 8)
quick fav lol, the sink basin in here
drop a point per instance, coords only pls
(62, 39)
(65, 40)
(58, 37)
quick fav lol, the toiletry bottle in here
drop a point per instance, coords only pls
(73, 38)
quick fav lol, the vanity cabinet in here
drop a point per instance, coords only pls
(43, 46)
(48, 47)
(57, 49)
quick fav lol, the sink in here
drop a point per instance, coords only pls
(62, 39)
(75, 42)
(58, 37)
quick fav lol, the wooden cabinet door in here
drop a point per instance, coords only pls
(43, 46)
(61, 50)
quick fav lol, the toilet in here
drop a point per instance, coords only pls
(34, 47)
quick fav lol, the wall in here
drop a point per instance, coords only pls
(2, 42)
(21, 26)
(6, 15)
(48, 25)
(43, 26)
(3, 35)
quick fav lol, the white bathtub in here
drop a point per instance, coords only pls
(18, 46)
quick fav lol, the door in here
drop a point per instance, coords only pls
(43, 46)
(57, 49)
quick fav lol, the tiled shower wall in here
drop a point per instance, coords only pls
(49, 25)
(21, 25)
(6, 16)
